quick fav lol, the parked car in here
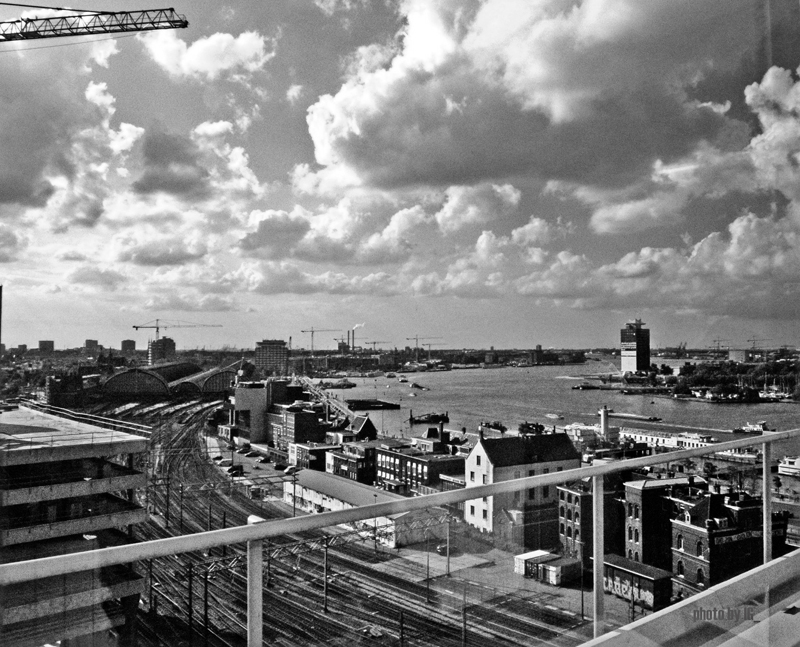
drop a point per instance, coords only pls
(280, 466)
(292, 469)
(236, 470)
(252, 454)
(263, 459)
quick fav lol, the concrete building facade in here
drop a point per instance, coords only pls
(272, 357)
(60, 494)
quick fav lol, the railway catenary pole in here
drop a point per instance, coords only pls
(325, 579)
(205, 607)
(190, 570)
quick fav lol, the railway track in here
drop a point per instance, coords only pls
(364, 605)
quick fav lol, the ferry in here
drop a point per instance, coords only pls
(752, 428)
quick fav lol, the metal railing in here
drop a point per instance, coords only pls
(254, 534)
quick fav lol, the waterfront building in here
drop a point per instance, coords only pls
(293, 423)
(61, 494)
(356, 461)
(272, 357)
(160, 350)
(717, 536)
(532, 516)
(575, 523)
(635, 347)
(648, 521)
(310, 455)
(664, 440)
(417, 463)
(314, 492)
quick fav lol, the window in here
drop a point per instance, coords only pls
(630, 554)
(636, 535)
(484, 479)
(545, 491)
(577, 517)
(569, 533)
(472, 476)
(699, 548)
(472, 511)
(561, 528)
(561, 495)
(680, 568)
(561, 511)
(577, 534)
(630, 533)
(701, 577)
(630, 509)
(636, 556)
(679, 542)
(559, 469)
(478, 460)
(569, 515)
(485, 514)
(636, 511)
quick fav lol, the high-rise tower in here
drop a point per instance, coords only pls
(635, 347)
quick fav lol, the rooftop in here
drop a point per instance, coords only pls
(28, 437)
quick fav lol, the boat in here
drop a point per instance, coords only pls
(391, 375)
(789, 466)
(402, 379)
(339, 384)
(414, 385)
(585, 386)
(553, 416)
(428, 418)
(632, 416)
(494, 424)
(752, 428)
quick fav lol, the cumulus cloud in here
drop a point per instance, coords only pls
(11, 244)
(209, 57)
(476, 205)
(190, 303)
(277, 233)
(156, 251)
(172, 165)
(97, 277)
(563, 91)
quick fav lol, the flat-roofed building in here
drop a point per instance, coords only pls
(635, 347)
(60, 494)
(272, 357)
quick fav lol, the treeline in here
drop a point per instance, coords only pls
(728, 378)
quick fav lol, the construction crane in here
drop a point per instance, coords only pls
(87, 23)
(416, 339)
(429, 348)
(158, 324)
(754, 340)
(375, 343)
(312, 330)
(717, 343)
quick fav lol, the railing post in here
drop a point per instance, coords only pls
(766, 499)
(255, 588)
(598, 549)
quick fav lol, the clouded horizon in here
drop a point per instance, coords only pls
(495, 172)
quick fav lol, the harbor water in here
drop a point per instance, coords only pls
(515, 395)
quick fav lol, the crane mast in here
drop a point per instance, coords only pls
(85, 24)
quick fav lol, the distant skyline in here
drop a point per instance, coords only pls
(489, 172)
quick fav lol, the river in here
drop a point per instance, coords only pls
(514, 395)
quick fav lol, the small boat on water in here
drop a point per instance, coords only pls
(553, 416)
(494, 424)
(402, 379)
(414, 385)
(391, 375)
(428, 418)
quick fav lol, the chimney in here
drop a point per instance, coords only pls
(604, 422)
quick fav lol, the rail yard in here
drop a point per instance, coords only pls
(330, 587)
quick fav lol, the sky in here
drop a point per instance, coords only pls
(480, 173)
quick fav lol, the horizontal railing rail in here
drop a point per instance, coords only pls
(63, 564)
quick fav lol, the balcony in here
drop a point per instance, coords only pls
(343, 577)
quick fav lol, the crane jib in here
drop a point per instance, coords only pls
(91, 23)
